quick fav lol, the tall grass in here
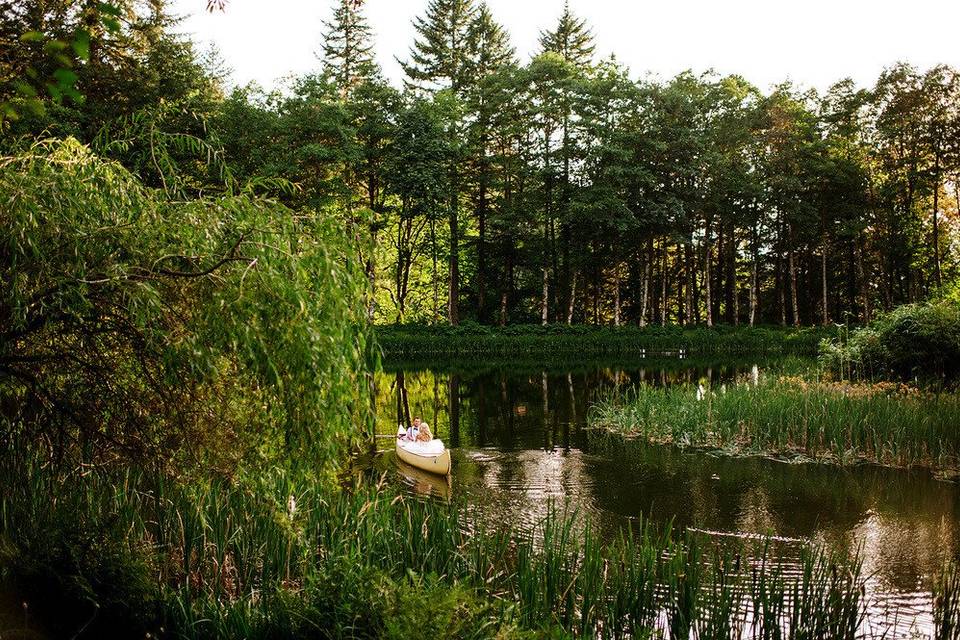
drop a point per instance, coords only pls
(526, 341)
(285, 558)
(840, 422)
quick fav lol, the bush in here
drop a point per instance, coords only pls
(912, 342)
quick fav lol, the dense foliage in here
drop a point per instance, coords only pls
(133, 323)
(913, 342)
(558, 189)
(583, 341)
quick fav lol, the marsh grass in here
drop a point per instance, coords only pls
(883, 423)
(279, 557)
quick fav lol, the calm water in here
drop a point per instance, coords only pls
(519, 440)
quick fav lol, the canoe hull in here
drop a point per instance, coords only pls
(439, 464)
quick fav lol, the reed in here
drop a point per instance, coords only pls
(946, 605)
(243, 559)
(882, 423)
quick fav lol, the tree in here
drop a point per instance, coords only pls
(571, 39)
(439, 57)
(348, 48)
(439, 60)
(139, 328)
(418, 175)
(490, 51)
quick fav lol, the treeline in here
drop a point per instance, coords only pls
(561, 190)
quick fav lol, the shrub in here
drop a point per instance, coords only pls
(912, 342)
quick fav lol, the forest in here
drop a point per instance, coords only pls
(559, 189)
(689, 348)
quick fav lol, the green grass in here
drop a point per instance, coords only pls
(836, 422)
(573, 341)
(104, 552)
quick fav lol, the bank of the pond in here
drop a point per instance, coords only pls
(561, 341)
(123, 553)
(838, 422)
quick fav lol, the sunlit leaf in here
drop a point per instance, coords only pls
(81, 44)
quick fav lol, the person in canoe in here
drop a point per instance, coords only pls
(412, 434)
(423, 433)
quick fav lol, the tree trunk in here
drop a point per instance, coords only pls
(546, 296)
(573, 297)
(482, 245)
(454, 289)
(936, 226)
(791, 261)
(707, 295)
(663, 284)
(616, 295)
(644, 296)
(823, 279)
(436, 285)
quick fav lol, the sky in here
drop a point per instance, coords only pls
(810, 42)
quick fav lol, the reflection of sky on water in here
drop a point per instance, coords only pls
(520, 445)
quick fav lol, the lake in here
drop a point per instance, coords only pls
(519, 437)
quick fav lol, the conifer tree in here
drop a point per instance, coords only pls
(572, 39)
(490, 51)
(439, 56)
(573, 42)
(348, 47)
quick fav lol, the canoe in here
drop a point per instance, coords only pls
(434, 463)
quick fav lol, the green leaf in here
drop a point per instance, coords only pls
(54, 91)
(32, 36)
(112, 24)
(25, 89)
(81, 44)
(110, 9)
(54, 46)
(65, 78)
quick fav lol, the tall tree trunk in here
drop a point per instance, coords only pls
(791, 261)
(573, 297)
(546, 296)
(616, 294)
(454, 289)
(936, 227)
(663, 284)
(730, 275)
(644, 296)
(482, 244)
(707, 289)
(823, 279)
(436, 285)
(754, 276)
(681, 310)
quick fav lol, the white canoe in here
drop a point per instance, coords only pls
(438, 463)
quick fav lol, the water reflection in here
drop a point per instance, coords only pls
(520, 443)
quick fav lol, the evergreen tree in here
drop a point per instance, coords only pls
(439, 58)
(490, 51)
(348, 48)
(572, 42)
(571, 39)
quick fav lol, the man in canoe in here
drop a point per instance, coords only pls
(418, 431)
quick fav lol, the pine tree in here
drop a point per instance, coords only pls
(439, 57)
(571, 39)
(488, 45)
(490, 51)
(573, 42)
(348, 47)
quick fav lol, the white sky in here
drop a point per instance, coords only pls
(812, 42)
